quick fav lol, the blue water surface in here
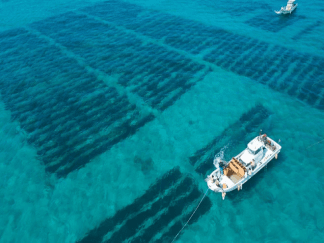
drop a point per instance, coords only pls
(112, 111)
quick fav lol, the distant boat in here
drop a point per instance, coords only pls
(233, 174)
(291, 6)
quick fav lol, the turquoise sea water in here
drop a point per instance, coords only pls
(111, 113)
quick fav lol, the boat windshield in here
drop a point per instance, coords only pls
(250, 151)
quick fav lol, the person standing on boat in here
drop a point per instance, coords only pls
(221, 170)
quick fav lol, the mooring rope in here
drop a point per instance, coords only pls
(191, 215)
(315, 144)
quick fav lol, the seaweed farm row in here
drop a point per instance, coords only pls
(307, 30)
(269, 23)
(157, 215)
(156, 74)
(236, 9)
(285, 70)
(69, 115)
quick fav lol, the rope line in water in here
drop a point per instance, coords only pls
(315, 144)
(191, 215)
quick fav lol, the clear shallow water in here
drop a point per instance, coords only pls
(111, 113)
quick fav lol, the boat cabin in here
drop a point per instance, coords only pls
(253, 152)
(290, 5)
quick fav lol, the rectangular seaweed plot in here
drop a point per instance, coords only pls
(308, 30)
(180, 33)
(156, 216)
(236, 9)
(240, 132)
(272, 23)
(69, 115)
(272, 65)
(258, 60)
(156, 74)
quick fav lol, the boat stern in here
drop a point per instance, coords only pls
(212, 186)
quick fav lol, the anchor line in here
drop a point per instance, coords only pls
(191, 215)
(315, 144)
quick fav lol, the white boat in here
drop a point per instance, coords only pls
(291, 6)
(231, 175)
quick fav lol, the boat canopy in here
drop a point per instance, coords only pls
(247, 157)
(254, 145)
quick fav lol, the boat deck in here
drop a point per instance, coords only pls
(227, 181)
(235, 178)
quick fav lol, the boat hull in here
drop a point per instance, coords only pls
(264, 161)
(286, 11)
